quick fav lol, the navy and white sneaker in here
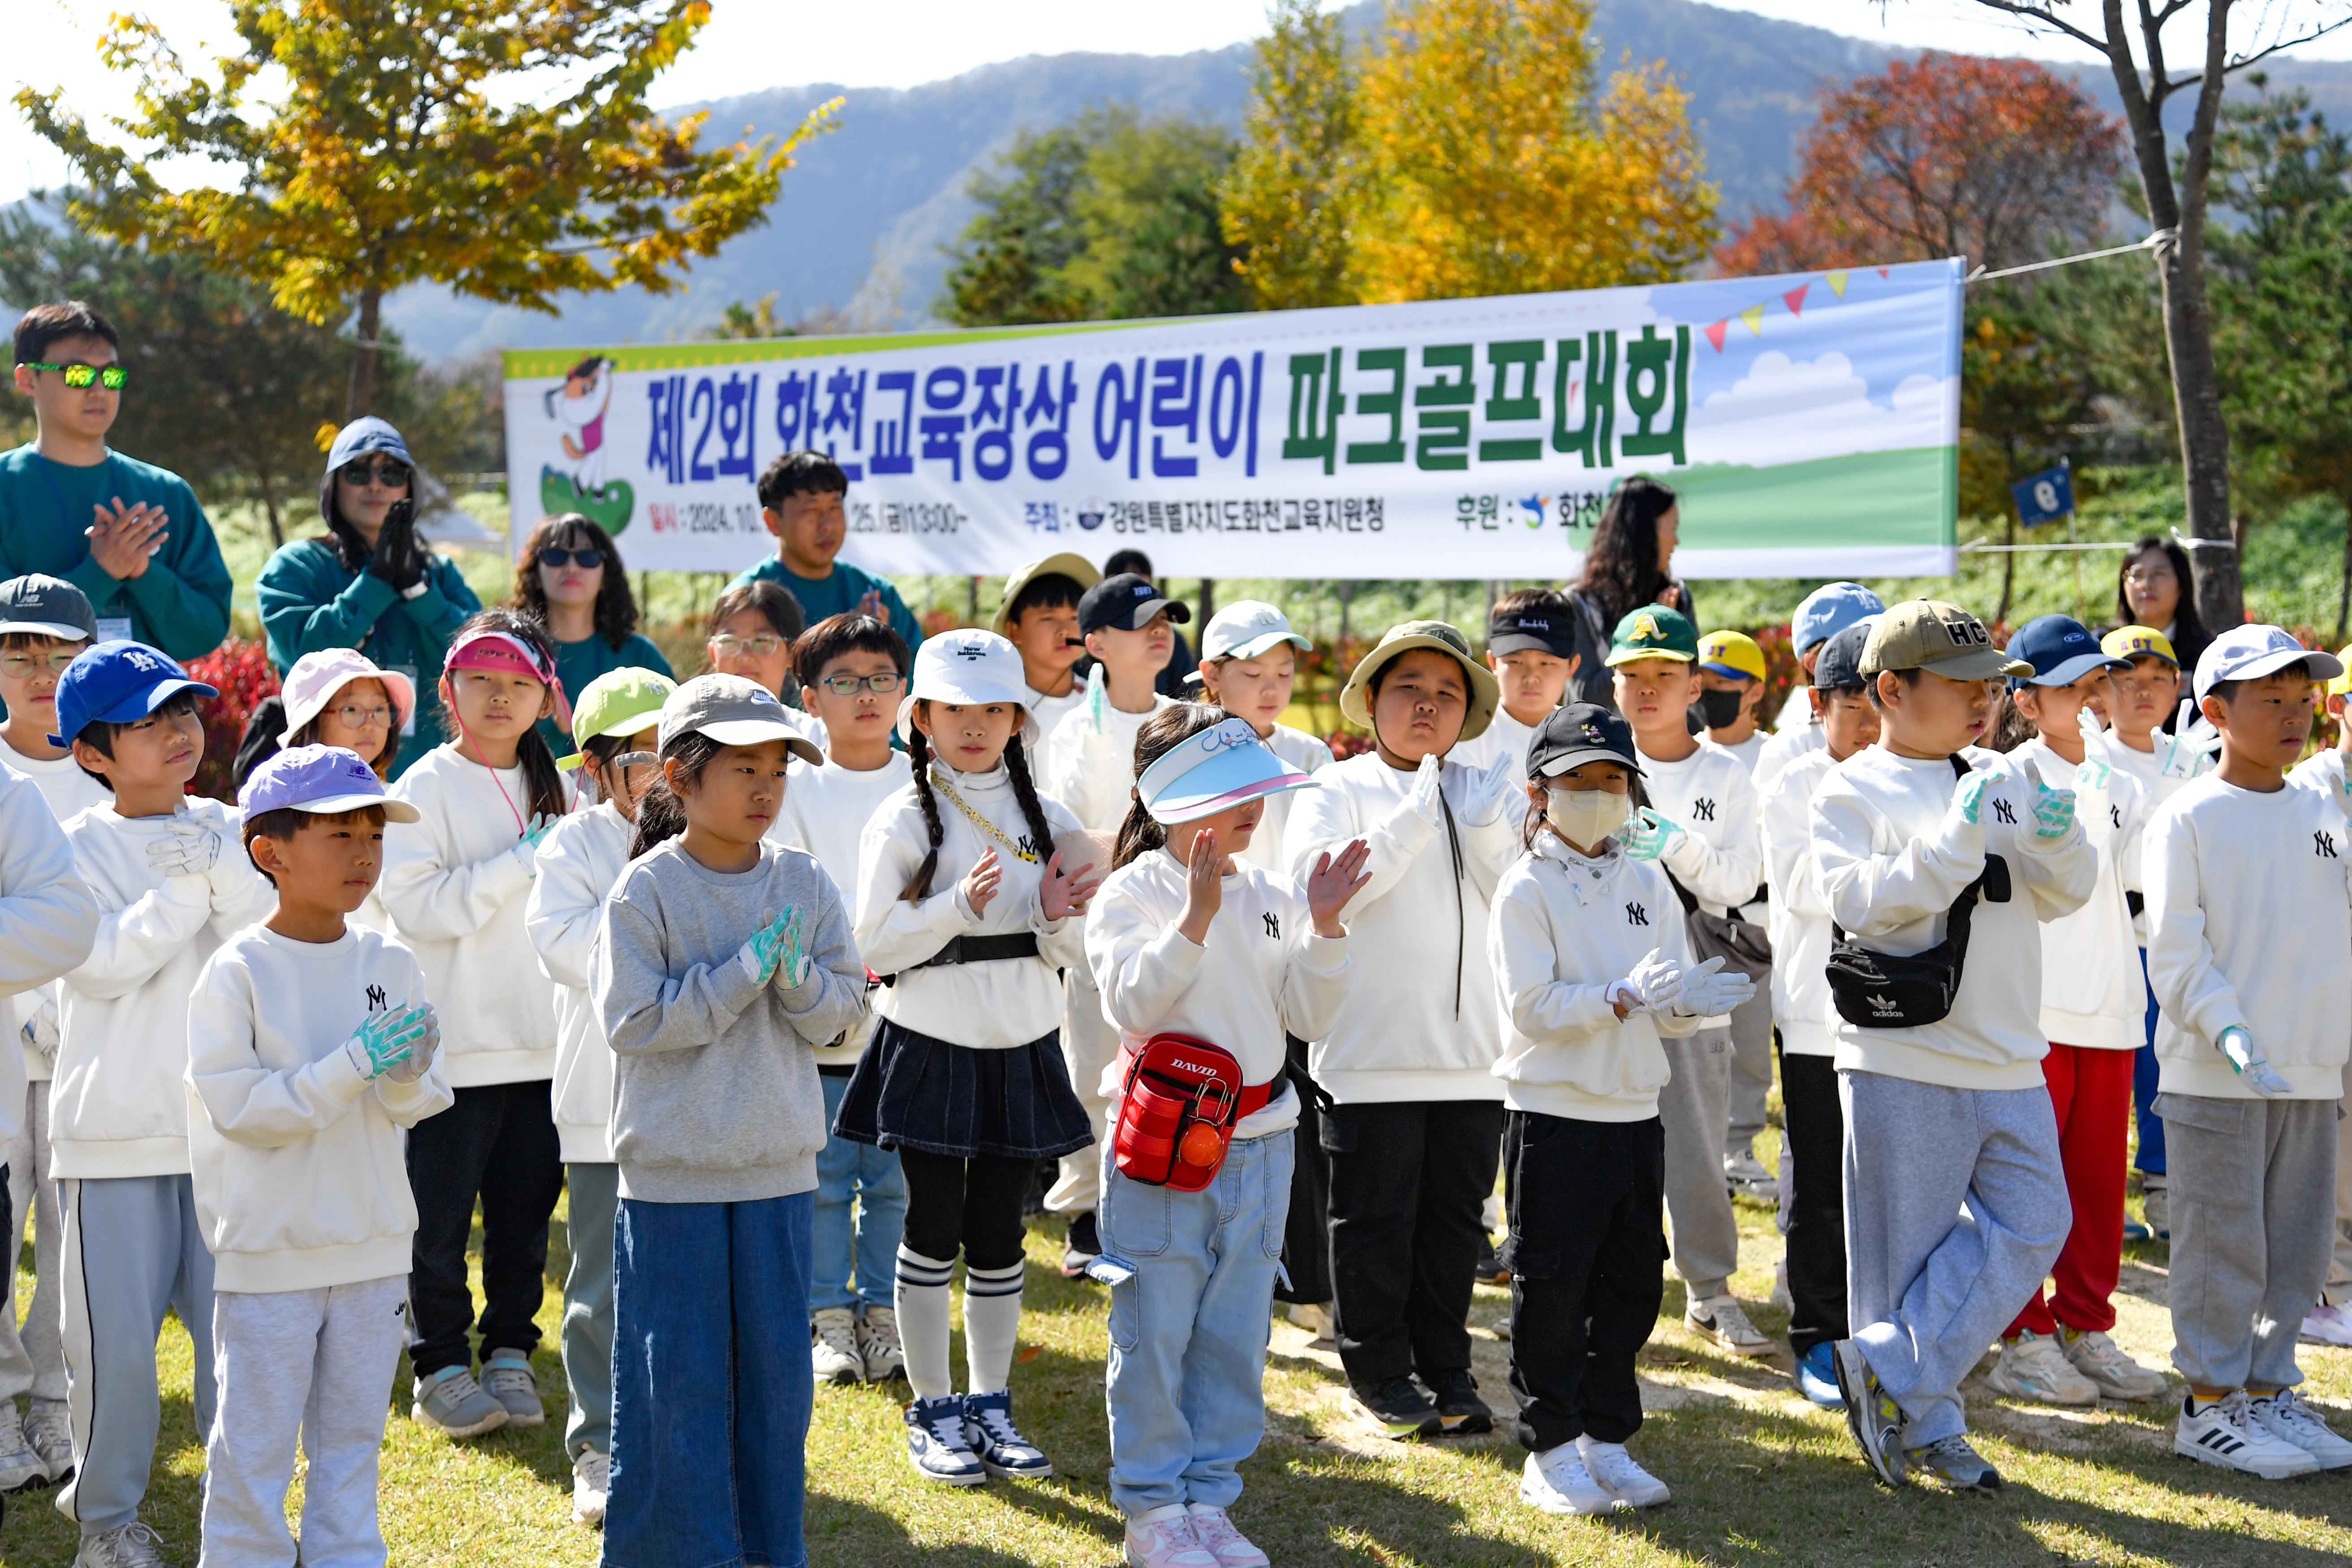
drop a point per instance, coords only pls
(936, 1447)
(988, 1428)
(2227, 1433)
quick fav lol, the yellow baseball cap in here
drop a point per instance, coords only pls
(2135, 642)
(1731, 653)
(2342, 685)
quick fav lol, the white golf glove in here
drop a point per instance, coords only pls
(189, 850)
(1489, 795)
(1709, 989)
(2253, 1069)
(2096, 769)
(1652, 987)
(2189, 750)
(1429, 792)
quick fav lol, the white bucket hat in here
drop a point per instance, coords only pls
(311, 685)
(968, 668)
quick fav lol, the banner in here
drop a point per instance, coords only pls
(1810, 423)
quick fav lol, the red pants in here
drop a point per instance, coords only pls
(2091, 1090)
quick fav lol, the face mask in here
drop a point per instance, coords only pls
(1586, 816)
(1720, 709)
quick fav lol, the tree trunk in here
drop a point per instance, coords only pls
(269, 505)
(1208, 604)
(361, 396)
(2008, 574)
(2344, 589)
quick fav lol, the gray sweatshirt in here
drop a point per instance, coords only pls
(714, 1095)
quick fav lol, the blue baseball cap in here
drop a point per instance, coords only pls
(1829, 610)
(320, 779)
(2249, 653)
(117, 683)
(2062, 651)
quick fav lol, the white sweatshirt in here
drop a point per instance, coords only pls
(48, 921)
(2147, 768)
(455, 883)
(118, 1107)
(2250, 923)
(1262, 971)
(2325, 772)
(1309, 755)
(1503, 737)
(301, 1180)
(1801, 1007)
(1094, 776)
(825, 811)
(1749, 750)
(2092, 992)
(69, 792)
(1719, 857)
(1566, 928)
(578, 864)
(1049, 712)
(1786, 746)
(1417, 1023)
(991, 1006)
(1892, 857)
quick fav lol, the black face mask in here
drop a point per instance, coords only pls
(1721, 709)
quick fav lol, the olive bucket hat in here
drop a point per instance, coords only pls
(1485, 692)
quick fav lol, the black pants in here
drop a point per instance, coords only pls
(1306, 1234)
(497, 1143)
(1586, 1256)
(1409, 1184)
(968, 1204)
(1815, 1126)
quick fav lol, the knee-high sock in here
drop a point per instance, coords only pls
(922, 1300)
(992, 1323)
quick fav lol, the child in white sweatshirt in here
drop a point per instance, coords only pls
(2249, 949)
(1188, 938)
(170, 886)
(1531, 649)
(310, 1051)
(1039, 615)
(1592, 969)
(614, 723)
(1942, 1112)
(455, 883)
(2329, 1321)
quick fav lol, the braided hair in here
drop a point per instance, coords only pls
(1162, 732)
(1025, 792)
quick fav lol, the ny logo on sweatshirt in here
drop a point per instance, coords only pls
(2323, 844)
(1635, 915)
(1272, 924)
(375, 1000)
(2006, 812)
(1703, 809)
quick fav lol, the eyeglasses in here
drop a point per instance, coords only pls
(586, 560)
(112, 377)
(727, 645)
(18, 666)
(851, 685)
(354, 716)
(2146, 576)
(389, 472)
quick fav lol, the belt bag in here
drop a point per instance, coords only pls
(1177, 1111)
(1740, 942)
(1882, 990)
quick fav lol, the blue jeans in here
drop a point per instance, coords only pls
(2149, 1160)
(856, 1259)
(710, 1384)
(1188, 1331)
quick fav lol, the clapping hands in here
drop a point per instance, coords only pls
(1063, 893)
(1334, 881)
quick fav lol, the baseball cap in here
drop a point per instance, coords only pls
(1076, 568)
(320, 779)
(966, 668)
(1534, 629)
(1653, 631)
(1244, 629)
(1125, 603)
(1731, 653)
(118, 683)
(46, 607)
(315, 678)
(732, 711)
(2241, 653)
(1579, 734)
(1829, 610)
(618, 702)
(1928, 634)
(2129, 643)
(2342, 685)
(1838, 667)
(1438, 636)
(2062, 651)
(1222, 766)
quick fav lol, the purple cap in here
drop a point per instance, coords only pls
(323, 779)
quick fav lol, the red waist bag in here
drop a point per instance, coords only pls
(1177, 1111)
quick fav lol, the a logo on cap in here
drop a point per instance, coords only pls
(1646, 625)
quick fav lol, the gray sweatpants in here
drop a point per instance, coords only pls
(2338, 1290)
(1751, 1068)
(2253, 1212)
(1955, 1208)
(588, 1305)
(316, 1362)
(33, 1359)
(1692, 1107)
(133, 1248)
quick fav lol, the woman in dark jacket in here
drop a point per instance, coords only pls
(2155, 588)
(1627, 567)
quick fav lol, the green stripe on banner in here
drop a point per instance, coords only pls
(1825, 501)
(524, 363)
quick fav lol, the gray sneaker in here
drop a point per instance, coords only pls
(1871, 1413)
(507, 1377)
(453, 1404)
(1953, 1461)
(132, 1545)
(20, 1467)
(48, 1428)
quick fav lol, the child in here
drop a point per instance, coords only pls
(724, 959)
(1592, 967)
(1812, 1190)
(1953, 1114)
(2330, 1322)
(753, 627)
(803, 503)
(2057, 1352)
(966, 911)
(2250, 942)
(1417, 1119)
(1700, 822)
(577, 866)
(851, 668)
(171, 886)
(1730, 696)
(1187, 938)
(1090, 769)
(1731, 693)
(1820, 615)
(455, 884)
(310, 1050)
(1039, 615)
(1531, 649)
(333, 697)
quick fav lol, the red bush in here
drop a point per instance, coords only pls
(241, 671)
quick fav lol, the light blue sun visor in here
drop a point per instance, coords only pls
(1220, 767)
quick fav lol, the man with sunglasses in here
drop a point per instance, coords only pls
(129, 535)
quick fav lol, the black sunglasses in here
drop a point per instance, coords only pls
(587, 558)
(388, 471)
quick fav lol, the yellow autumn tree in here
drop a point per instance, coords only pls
(1288, 202)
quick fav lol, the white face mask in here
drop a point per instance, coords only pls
(1586, 816)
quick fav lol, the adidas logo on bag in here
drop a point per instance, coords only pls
(1884, 1006)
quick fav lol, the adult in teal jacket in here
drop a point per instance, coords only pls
(370, 583)
(572, 578)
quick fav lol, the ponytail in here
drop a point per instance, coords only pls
(919, 752)
(541, 778)
(1174, 725)
(661, 814)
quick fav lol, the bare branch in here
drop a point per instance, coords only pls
(2240, 62)
(2039, 11)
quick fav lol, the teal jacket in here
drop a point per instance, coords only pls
(180, 603)
(837, 594)
(578, 663)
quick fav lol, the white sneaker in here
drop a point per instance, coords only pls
(2290, 1420)
(1217, 1535)
(1619, 1476)
(2326, 1325)
(132, 1545)
(1780, 1296)
(2226, 1434)
(877, 1341)
(2101, 1359)
(1315, 1317)
(20, 1467)
(936, 1447)
(592, 1480)
(2032, 1367)
(1557, 1481)
(833, 1355)
(1164, 1538)
(1722, 1320)
(48, 1428)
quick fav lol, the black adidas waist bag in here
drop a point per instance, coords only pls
(1882, 991)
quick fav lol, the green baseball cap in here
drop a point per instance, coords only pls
(618, 702)
(1653, 631)
(1928, 634)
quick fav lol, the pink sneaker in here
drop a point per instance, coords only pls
(1164, 1538)
(1214, 1529)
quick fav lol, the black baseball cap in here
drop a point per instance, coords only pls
(1534, 629)
(1579, 734)
(1126, 604)
(46, 607)
(1838, 667)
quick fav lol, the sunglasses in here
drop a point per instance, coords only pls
(113, 377)
(851, 685)
(386, 471)
(585, 559)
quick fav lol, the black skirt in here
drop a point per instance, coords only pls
(913, 1091)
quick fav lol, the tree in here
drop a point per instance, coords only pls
(414, 141)
(1998, 161)
(2020, 393)
(1294, 186)
(1008, 264)
(2133, 44)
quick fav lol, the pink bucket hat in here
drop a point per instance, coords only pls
(311, 687)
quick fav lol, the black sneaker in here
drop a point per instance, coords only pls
(1400, 1408)
(1460, 1411)
(1083, 1247)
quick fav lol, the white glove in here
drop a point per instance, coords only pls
(1709, 989)
(421, 1054)
(1429, 792)
(1650, 987)
(2253, 1069)
(2190, 746)
(188, 850)
(1489, 795)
